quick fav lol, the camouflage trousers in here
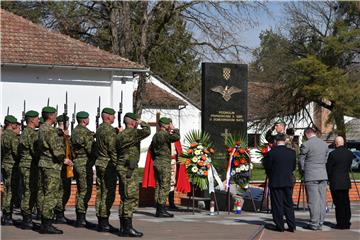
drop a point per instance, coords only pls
(29, 179)
(129, 192)
(9, 183)
(48, 194)
(163, 177)
(173, 175)
(105, 189)
(84, 182)
(64, 191)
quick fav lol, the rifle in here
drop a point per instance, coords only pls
(23, 117)
(120, 110)
(69, 169)
(8, 111)
(57, 110)
(73, 118)
(98, 113)
(48, 101)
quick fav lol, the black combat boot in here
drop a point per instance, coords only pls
(161, 212)
(80, 220)
(171, 202)
(129, 231)
(122, 225)
(60, 218)
(6, 219)
(103, 224)
(46, 227)
(27, 222)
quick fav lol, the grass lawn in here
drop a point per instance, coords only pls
(258, 173)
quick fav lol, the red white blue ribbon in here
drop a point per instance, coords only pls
(229, 168)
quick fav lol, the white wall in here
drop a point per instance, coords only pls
(190, 118)
(84, 87)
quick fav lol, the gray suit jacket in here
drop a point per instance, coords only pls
(313, 158)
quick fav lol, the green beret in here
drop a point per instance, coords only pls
(279, 121)
(108, 111)
(61, 118)
(31, 114)
(131, 115)
(41, 120)
(49, 109)
(165, 120)
(10, 119)
(82, 115)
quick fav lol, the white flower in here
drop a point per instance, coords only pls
(237, 170)
(233, 172)
(194, 159)
(200, 147)
(242, 168)
(246, 167)
(197, 152)
(194, 169)
(251, 166)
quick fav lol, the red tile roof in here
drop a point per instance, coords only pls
(156, 97)
(23, 42)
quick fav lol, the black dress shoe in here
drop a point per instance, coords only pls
(340, 227)
(311, 227)
(274, 228)
(291, 229)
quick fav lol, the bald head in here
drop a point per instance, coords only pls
(339, 141)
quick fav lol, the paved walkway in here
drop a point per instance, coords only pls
(185, 225)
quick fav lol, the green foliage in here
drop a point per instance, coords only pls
(198, 136)
(313, 63)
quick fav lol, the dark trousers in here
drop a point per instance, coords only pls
(282, 204)
(342, 207)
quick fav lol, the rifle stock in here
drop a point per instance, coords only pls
(69, 169)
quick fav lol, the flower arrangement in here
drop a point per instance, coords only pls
(197, 158)
(239, 165)
(264, 149)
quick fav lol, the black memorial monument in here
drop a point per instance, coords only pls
(224, 101)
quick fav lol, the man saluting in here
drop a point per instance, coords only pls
(128, 154)
(161, 153)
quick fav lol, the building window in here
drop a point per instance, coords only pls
(253, 140)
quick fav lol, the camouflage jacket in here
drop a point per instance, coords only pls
(52, 150)
(105, 145)
(161, 144)
(82, 142)
(9, 148)
(28, 147)
(128, 145)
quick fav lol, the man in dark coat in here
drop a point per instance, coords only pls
(279, 166)
(338, 167)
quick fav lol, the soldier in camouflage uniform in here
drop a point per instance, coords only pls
(128, 154)
(28, 153)
(9, 165)
(82, 141)
(279, 127)
(161, 153)
(65, 184)
(52, 158)
(105, 168)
